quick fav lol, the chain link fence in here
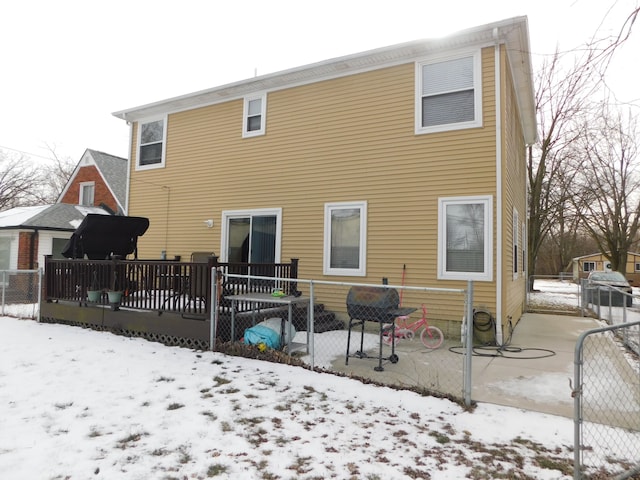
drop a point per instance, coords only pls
(348, 329)
(611, 304)
(607, 401)
(20, 293)
(553, 294)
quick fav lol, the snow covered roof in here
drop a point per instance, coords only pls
(59, 216)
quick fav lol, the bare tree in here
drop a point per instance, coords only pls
(561, 98)
(19, 182)
(606, 191)
(55, 175)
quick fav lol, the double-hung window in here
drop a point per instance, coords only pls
(151, 141)
(465, 249)
(254, 116)
(345, 239)
(448, 93)
(87, 194)
(588, 266)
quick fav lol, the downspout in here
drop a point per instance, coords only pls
(126, 195)
(499, 222)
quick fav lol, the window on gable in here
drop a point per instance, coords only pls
(87, 194)
(254, 116)
(448, 94)
(465, 229)
(345, 226)
(151, 138)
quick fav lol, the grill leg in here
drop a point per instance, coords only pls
(346, 360)
(379, 367)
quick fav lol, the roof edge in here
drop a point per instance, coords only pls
(513, 31)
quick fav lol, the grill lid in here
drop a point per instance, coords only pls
(376, 297)
(100, 236)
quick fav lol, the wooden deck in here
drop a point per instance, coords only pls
(166, 301)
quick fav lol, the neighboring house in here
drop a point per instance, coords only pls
(99, 179)
(582, 266)
(413, 154)
(27, 234)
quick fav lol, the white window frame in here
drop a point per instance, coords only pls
(515, 254)
(329, 208)
(81, 198)
(477, 92)
(246, 133)
(590, 263)
(637, 266)
(228, 214)
(487, 273)
(161, 164)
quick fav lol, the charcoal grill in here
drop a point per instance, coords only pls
(374, 304)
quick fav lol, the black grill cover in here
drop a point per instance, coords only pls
(373, 303)
(101, 236)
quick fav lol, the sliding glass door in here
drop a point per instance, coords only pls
(252, 236)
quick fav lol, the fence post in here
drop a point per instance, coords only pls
(213, 314)
(312, 329)
(40, 277)
(4, 283)
(469, 345)
(577, 405)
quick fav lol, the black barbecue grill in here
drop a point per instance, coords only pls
(374, 304)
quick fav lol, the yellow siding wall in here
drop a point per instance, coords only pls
(345, 139)
(514, 175)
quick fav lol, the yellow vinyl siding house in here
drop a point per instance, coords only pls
(582, 266)
(412, 154)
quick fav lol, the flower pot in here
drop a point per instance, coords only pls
(114, 296)
(94, 295)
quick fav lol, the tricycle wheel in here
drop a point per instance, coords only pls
(393, 358)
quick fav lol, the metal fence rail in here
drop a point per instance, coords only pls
(607, 400)
(316, 330)
(20, 293)
(612, 305)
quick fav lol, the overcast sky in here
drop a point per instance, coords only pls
(68, 64)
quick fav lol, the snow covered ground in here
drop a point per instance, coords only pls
(80, 404)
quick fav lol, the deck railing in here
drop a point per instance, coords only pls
(158, 285)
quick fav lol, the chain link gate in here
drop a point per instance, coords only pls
(606, 393)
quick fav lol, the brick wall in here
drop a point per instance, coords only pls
(102, 193)
(25, 250)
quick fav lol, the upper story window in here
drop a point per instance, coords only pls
(151, 138)
(448, 94)
(465, 229)
(345, 239)
(87, 194)
(254, 115)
